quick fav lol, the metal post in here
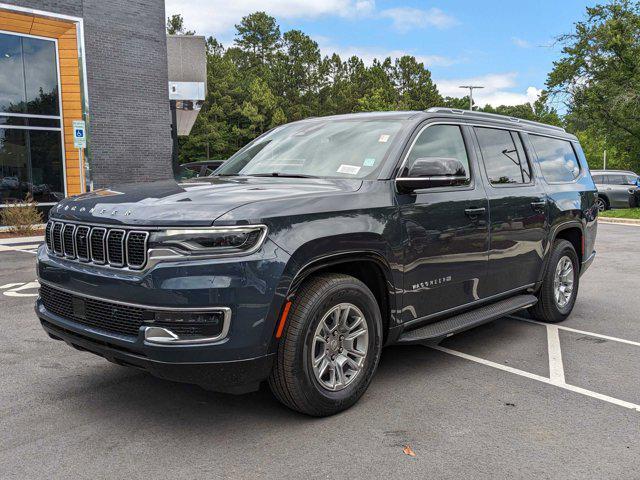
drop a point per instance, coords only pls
(605, 159)
(83, 186)
(471, 88)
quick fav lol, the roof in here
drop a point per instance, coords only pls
(624, 172)
(454, 114)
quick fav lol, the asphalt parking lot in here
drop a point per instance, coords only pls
(511, 399)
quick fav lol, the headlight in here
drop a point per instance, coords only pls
(217, 241)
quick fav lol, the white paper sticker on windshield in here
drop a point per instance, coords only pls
(383, 138)
(369, 162)
(350, 169)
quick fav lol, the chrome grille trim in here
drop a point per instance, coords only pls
(68, 244)
(102, 246)
(57, 238)
(118, 248)
(131, 258)
(82, 232)
(101, 260)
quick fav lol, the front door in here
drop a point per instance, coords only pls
(518, 211)
(445, 230)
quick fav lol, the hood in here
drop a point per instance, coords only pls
(197, 202)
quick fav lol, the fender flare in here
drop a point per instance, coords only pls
(553, 235)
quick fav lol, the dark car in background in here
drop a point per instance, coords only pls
(616, 188)
(319, 243)
(202, 168)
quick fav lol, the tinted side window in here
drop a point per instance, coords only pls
(598, 179)
(557, 158)
(439, 141)
(503, 156)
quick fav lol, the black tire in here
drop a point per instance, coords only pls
(547, 309)
(603, 203)
(292, 380)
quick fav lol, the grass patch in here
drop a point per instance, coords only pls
(622, 213)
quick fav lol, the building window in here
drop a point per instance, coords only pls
(31, 160)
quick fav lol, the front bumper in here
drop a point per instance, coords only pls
(176, 363)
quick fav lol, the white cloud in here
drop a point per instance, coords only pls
(407, 18)
(498, 89)
(519, 42)
(217, 17)
(368, 54)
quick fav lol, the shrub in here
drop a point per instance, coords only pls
(22, 218)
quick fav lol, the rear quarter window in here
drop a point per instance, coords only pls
(557, 158)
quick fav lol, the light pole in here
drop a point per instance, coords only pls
(471, 89)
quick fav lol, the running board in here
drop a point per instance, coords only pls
(437, 331)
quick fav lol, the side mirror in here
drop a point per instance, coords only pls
(429, 172)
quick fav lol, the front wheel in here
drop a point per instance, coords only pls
(559, 290)
(601, 203)
(330, 347)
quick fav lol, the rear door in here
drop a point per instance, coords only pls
(445, 229)
(618, 190)
(518, 228)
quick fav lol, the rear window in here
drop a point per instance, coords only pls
(503, 156)
(557, 158)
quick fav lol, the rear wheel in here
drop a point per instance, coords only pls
(557, 296)
(330, 347)
(602, 204)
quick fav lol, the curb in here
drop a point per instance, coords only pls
(6, 228)
(19, 240)
(619, 221)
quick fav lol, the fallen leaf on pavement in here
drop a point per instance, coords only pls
(409, 451)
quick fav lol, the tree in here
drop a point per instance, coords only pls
(175, 26)
(258, 37)
(598, 77)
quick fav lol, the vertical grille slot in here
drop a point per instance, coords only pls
(96, 240)
(137, 249)
(47, 235)
(82, 243)
(67, 240)
(57, 238)
(115, 248)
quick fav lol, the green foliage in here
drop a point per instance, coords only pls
(598, 79)
(633, 213)
(267, 78)
(175, 26)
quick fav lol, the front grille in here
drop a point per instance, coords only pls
(48, 236)
(82, 243)
(108, 316)
(114, 247)
(57, 238)
(118, 318)
(67, 240)
(136, 248)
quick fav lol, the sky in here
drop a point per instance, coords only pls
(506, 46)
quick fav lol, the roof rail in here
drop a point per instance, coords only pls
(494, 116)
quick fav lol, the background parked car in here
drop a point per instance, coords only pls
(198, 169)
(616, 188)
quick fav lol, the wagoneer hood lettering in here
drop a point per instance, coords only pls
(192, 203)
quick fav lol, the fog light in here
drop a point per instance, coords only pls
(184, 326)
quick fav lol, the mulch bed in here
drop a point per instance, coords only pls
(15, 235)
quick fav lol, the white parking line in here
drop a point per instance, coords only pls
(556, 368)
(582, 332)
(539, 378)
(20, 248)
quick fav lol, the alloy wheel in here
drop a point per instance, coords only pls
(563, 281)
(339, 347)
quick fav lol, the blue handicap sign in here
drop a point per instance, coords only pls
(79, 133)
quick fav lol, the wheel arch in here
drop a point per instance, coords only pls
(371, 268)
(573, 232)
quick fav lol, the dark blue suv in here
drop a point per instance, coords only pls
(317, 244)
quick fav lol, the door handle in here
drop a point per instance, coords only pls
(538, 206)
(475, 212)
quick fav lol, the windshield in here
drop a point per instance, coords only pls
(326, 149)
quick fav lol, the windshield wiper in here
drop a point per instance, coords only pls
(278, 174)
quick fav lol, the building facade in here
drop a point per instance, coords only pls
(104, 62)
